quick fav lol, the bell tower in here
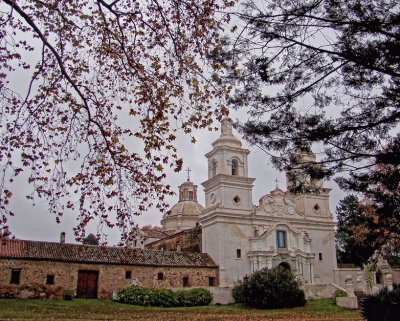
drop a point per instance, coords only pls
(228, 185)
(313, 200)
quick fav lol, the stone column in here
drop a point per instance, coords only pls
(269, 262)
(312, 273)
(349, 286)
(359, 279)
(389, 281)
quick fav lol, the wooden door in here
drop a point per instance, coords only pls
(87, 284)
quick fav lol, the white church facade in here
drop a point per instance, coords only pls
(292, 231)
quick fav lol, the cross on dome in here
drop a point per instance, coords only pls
(188, 170)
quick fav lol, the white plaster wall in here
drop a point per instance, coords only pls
(221, 242)
(228, 193)
(323, 241)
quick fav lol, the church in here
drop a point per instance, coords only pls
(294, 231)
(213, 246)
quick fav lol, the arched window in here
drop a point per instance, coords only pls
(213, 168)
(235, 167)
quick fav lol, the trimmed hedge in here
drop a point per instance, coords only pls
(382, 306)
(268, 289)
(193, 297)
(138, 295)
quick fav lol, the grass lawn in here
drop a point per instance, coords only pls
(17, 309)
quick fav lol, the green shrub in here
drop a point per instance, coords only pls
(275, 288)
(131, 295)
(340, 294)
(238, 292)
(68, 295)
(382, 306)
(163, 297)
(193, 297)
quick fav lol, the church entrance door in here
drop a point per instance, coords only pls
(284, 265)
(87, 284)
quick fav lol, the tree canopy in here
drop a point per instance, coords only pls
(92, 96)
(379, 225)
(325, 73)
(350, 217)
(91, 239)
(321, 71)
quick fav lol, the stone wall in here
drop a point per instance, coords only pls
(320, 291)
(358, 280)
(111, 277)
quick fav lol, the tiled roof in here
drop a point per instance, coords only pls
(152, 233)
(33, 250)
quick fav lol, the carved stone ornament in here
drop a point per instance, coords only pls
(278, 204)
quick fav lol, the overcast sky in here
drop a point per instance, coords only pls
(35, 223)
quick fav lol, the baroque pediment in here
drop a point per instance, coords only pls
(277, 204)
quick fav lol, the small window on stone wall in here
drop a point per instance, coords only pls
(379, 277)
(15, 276)
(185, 281)
(50, 279)
(128, 274)
(211, 281)
(160, 276)
(320, 256)
(238, 253)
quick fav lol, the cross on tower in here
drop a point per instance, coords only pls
(188, 173)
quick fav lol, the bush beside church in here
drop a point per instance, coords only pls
(268, 289)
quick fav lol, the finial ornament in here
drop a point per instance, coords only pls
(276, 182)
(226, 127)
(188, 170)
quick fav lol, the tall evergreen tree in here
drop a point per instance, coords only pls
(350, 215)
(326, 72)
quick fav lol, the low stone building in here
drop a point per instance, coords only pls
(185, 241)
(139, 238)
(42, 269)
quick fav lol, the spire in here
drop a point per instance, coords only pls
(226, 127)
(227, 138)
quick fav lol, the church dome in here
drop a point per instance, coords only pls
(186, 208)
(185, 214)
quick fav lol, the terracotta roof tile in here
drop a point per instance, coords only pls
(154, 234)
(33, 250)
